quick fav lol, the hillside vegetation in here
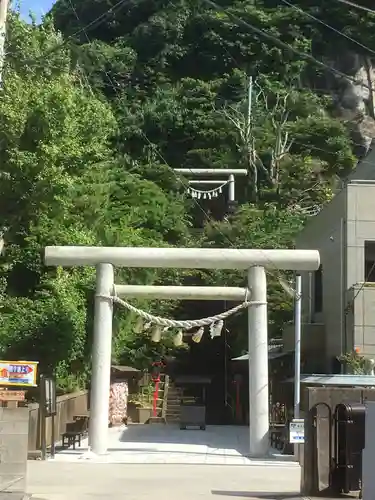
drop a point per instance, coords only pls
(103, 99)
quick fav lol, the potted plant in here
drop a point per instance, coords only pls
(357, 364)
(143, 405)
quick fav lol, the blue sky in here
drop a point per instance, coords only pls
(39, 7)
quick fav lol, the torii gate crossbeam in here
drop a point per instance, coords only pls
(255, 261)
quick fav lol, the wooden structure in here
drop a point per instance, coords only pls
(193, 400)
(11, 399)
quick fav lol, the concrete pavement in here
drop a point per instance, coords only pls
(167, 444)
(94, 481)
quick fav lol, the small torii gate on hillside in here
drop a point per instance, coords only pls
(254, 261)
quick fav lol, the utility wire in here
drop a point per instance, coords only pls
(209, 219)
(361, 7)
(280, 43)
(91, 25)
(295, 7)
(279, 277)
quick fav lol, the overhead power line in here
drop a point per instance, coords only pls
(295, 7)
(357, 6)
(280, 43)
(91, 25)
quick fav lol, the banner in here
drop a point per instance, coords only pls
(19, 373)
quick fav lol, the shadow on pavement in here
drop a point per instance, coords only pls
(258, 494)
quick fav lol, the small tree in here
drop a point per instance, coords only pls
(252, 147)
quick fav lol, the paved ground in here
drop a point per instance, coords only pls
(167, 444)
(93, 481)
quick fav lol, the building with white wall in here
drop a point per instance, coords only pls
(338, 300)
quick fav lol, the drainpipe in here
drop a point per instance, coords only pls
(343, 285)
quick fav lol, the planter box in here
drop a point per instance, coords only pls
(133, 413)
(193, 416)
(144, 415)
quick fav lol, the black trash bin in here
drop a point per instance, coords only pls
(349, 421)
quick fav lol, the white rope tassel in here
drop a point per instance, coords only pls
(197, 336)
(138, 328)
(215, 329)
(186, 324)
(178, 339)
(211, 193)
(156, 334)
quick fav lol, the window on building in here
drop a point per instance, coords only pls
(369, 261)
(318, 290)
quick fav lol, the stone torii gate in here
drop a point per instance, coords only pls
(254, 261)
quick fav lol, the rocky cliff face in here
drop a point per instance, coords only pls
(355, 98)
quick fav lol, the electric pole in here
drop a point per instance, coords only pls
(3, 21)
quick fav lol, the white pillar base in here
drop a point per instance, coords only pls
(101, 360)
(258, 364)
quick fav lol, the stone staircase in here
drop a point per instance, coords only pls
(172, 414)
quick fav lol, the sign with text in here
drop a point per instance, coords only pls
(297, 431)
(12, 395)
(18, 373)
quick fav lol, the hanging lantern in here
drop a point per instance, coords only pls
(138, 328)
(178, 339)
(197, 336)
(156, 334)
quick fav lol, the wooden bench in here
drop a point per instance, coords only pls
(71, 438)
(73, 434)
(82, 423)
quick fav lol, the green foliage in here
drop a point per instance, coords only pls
(62, 183)
(254, 227)
(91, 120)
(356, 364)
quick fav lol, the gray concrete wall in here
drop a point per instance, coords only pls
(326, 233)
(14, 428)
(312, 339)
(365, 168)
(339, 233)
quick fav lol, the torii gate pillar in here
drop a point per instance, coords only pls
(258, 363)
(101, 360)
